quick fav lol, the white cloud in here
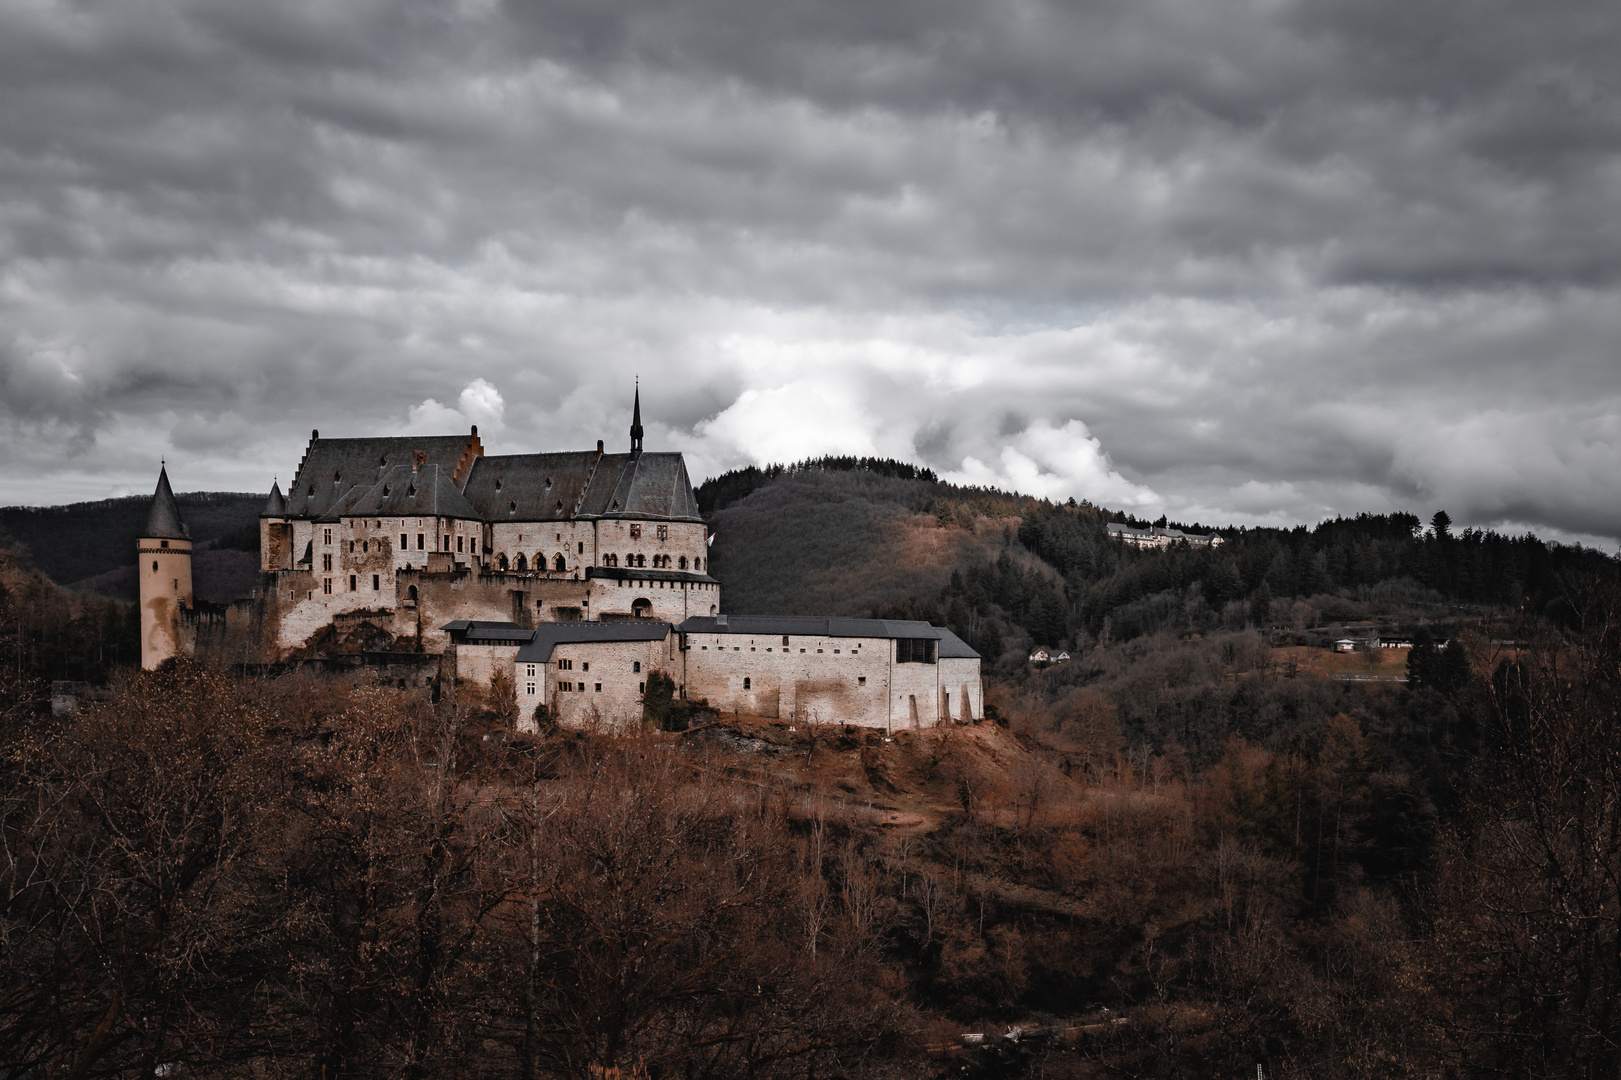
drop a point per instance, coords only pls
(1055, 463)
(480, 403)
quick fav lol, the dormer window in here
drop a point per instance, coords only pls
(548, 483)
(512, 508)
(559, 506)
(387, 488)
(411, 491)
(498, 483)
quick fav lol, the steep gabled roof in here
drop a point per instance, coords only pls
(404, 492)
(331, 467)
(163, 520)
(649, 486)
(530, 487)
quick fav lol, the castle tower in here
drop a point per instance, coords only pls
(163, 555)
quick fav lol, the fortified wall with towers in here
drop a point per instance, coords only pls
(429, 545)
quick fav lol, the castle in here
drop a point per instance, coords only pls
(536, 569)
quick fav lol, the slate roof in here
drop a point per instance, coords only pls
(484, 632)
(163, 520)
(622, 573)
(331, 467)
(404, 491)
(529, 487)
(276, 505)
(547, 636)
(951, 646)
(641, 486)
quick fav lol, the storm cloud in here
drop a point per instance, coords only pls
(1244, 261)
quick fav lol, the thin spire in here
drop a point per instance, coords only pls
(636, 421)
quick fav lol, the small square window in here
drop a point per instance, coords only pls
(585, 665)
(861, 680)
(599, 688)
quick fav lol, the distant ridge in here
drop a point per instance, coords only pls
(82, 542)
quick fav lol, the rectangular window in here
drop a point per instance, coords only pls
(351, 583)
(531, 668)
(635, 532)
(529, 688)
(458, 543)
(582, 547)
(745, 682)
(420, 542)
(599, 688)
(326, 561)
(579, 688)
(914, 650)
(664, 532)
(405, 541)
(585, 665)
(326, 586)
(326, 536)
(376, 583)
(351, 547)
(785, 639)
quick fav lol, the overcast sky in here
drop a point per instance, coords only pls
(1246, 261)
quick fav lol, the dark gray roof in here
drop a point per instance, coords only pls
(622, 573)
(276, 505)
(833, 627)
(529, 487)
(548, 635)
(163, 520)
(953, 647)
(403, 491)
(331, 467)
(641, 486)
(480, 631)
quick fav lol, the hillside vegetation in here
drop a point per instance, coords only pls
(1007, 571)
(91, 545)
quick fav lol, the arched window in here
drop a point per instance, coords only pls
(411, 594)
(523, 564)
(630, 560)
(559, 564)
(697, 564)
(641, 560)
(501, 561)
(636, 667)
(683, 563)
(642, 609)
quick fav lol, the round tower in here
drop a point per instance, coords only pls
(163, 564)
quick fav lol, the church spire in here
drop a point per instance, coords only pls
(636, 422)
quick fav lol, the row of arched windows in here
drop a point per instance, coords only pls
(521, 563)
(560, 564)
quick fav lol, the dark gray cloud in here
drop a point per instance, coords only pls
(1243, 260)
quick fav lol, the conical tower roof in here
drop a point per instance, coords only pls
(275, 506)
(163, 522)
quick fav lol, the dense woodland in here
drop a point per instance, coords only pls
(1175, 856)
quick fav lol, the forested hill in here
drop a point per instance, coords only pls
(854, 536)
(69, 544)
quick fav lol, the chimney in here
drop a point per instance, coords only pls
(720, 620)
(599, 448)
